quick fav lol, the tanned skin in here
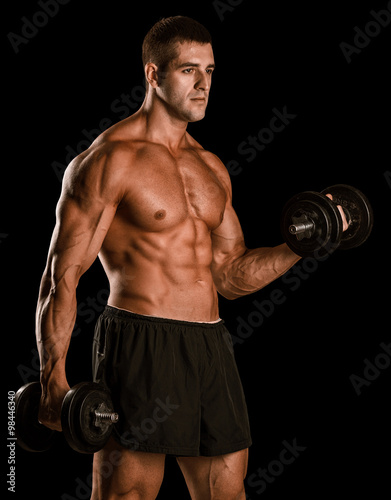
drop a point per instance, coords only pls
(157, 209)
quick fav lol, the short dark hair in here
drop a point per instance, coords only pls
(160, 43)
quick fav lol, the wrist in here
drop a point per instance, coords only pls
(53, 375)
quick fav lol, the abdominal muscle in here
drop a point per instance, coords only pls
(165, 274)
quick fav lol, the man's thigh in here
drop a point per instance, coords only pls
(126, 474)
(215, 477)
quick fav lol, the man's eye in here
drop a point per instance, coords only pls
(188, 70)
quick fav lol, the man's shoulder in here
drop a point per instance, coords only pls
(106, 162)
(112, 148)
(101, 156)
(119, 141)
(206, 155)
(213, 162)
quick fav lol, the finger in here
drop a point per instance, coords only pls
(345, 223)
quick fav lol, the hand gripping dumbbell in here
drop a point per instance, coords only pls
(87, 418)
(311, 223)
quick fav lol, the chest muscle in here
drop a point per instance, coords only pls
(163, 192)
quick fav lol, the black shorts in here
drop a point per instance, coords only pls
(175, 384)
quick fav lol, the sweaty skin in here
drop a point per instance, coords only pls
(157, 209)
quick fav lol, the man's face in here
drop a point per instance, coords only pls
(186, 84)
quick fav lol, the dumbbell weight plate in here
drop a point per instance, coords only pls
(359, 213)
(319, 209)
(78, 417)
(30, 433)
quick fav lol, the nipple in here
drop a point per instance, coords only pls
(160, 214)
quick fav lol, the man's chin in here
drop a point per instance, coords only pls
(196, 117)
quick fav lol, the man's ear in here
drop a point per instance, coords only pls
(151, 74)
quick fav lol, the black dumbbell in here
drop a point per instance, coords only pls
(311, 223)
(30, 433)
(87, 418)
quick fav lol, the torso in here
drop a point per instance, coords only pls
(158, 250)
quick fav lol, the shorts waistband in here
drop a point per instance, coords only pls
(132, 316)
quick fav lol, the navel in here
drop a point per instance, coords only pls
(160, 214)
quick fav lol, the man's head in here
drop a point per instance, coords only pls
(178, 61)
(162, 41)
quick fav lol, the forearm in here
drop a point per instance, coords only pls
(253, 270)
(55, 319)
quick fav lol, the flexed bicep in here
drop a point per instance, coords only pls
(237, 270)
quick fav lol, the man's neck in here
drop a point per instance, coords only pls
(161, 126)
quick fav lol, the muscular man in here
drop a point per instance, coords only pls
(156, 207)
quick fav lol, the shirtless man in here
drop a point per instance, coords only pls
(156, 207)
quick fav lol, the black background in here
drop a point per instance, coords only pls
(296, 366)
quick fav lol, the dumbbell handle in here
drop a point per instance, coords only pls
(304, 223)
(106, 416)
(301, 227)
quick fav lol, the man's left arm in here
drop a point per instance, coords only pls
(237, 270)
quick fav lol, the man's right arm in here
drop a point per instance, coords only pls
(92, 190)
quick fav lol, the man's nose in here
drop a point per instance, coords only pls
(202, 82)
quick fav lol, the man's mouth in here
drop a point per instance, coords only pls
(199, 99)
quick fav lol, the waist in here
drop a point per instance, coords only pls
(194, 301)
(127, 314)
